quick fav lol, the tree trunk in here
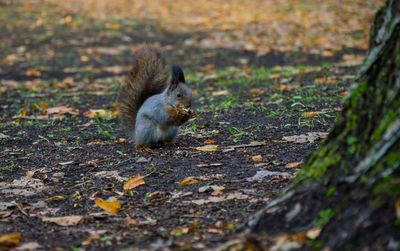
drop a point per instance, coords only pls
(350, 186)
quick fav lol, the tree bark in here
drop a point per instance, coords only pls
(350, 186)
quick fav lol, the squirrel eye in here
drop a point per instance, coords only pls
(178, 95)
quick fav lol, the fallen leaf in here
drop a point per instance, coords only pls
(42, 105)
(257, 158)
(282, 87)
(133, 182)
(274, 76)
(188, 181)
(97, 113)
(256, 91)
(209, 141)
(313, 233)
(207, 148)
(398, 208)
(260, 175)
(320, 80)
(29, 246)
(343, 94)
(61, 110)
(109, 206)
(209, 165)
(327, 53)
(3, 136)
(9, 240)
(292, 165)
(22, 114)
(309, 114)
(209, 188)
(219, 93)
(33, 72)
(114, 69)
(310, 137)
(127, 221)
(64, 220)
(91, 238)
(84, 58)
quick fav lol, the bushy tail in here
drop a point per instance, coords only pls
(148, 77)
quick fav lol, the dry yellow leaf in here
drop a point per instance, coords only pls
(320, 80)
(109, 206)
(133, 182)
(256, 91)
(33, 72)
(90, 239)
(209, 141)
(22, 114)
(257, 158)
(42, 105)
(282, 87)
(60, 110)
(327, 53)
(67, 20)
(219, 93)
(64, 220)
(309, 114)
(313, 233)
(292, 165)
(207, 148)
(188, 181)
(9, 240)
(274, 76)
(84, 58)
(343, 94)
(96, 112)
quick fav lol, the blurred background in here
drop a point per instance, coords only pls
(54, 39)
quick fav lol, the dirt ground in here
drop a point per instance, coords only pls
(257, 118)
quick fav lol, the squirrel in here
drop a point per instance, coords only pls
(150, 105)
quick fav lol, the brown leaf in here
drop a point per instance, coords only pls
(209, 141)
(33, 72)
(90, 239)
(309, 114)
(343, 94)
(257, 158)
(96, 112)
(22, 114)
(84, 58)
(61, 110)
(29, 246)
(9, 240)
(398, 208)
(127, 221)
(327, 53)
(220, 93)
(109, 206)
(282, 87)
(188, 181)
(292, 165)
(256, 91)
(313, 233)
(42, 105)
(207, 148)
(274, 76)
(133, 182)
(64, 220)
(310, 137)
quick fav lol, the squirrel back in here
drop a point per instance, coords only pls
(147, 78)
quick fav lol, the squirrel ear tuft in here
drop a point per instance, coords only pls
(177, 76)
(178, 73)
